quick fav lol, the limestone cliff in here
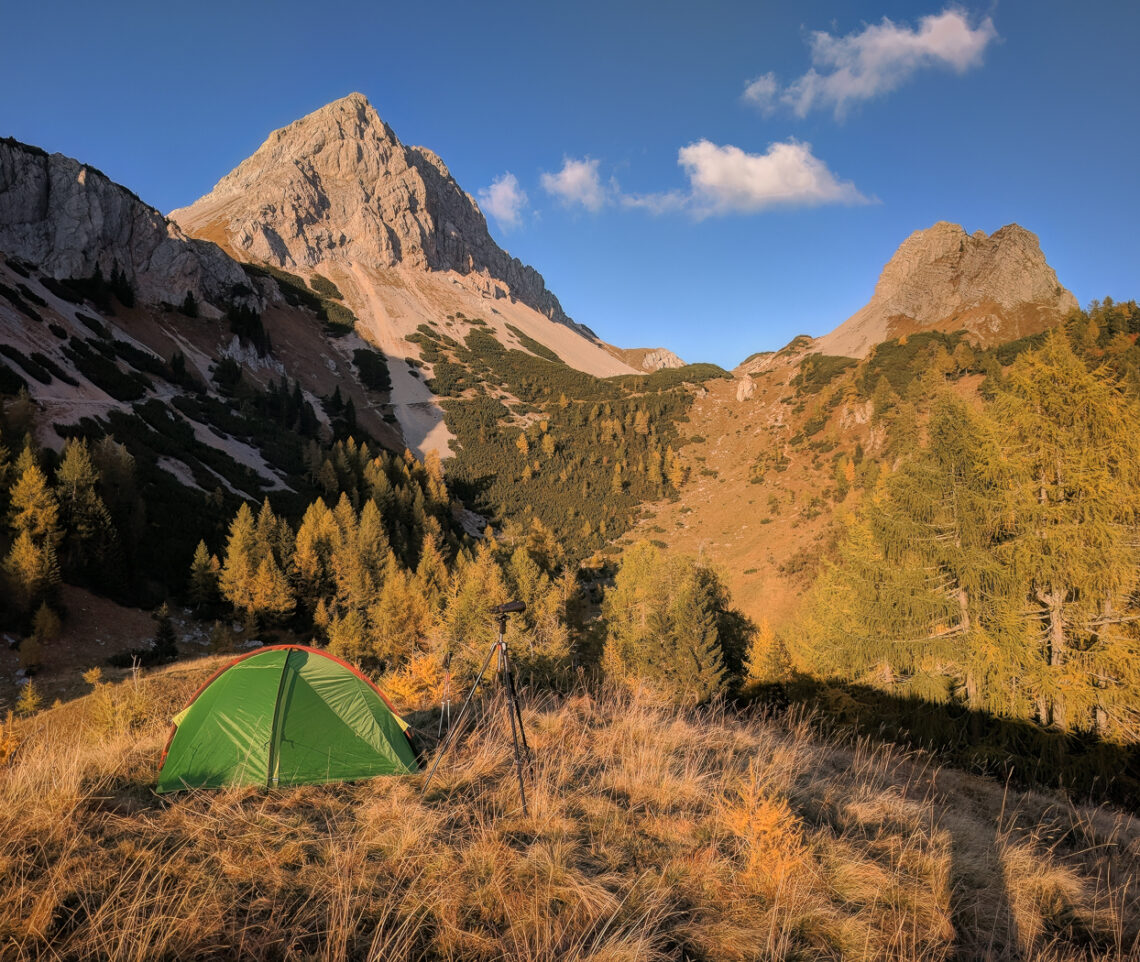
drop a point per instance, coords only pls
(998, 287)
(67, 218)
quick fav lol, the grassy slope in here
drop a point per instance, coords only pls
(652, 835)
(727, 519)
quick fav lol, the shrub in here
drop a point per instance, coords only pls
(56, 371)
(325, 288)
(540, 350)
(10, 381)
(92, 324)
(372, 367)
(104, 373)
(35, 369)
(30, 700)
(19, 303)
(819, 370)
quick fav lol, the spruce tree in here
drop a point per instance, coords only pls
(694, 668)
(164, 647)
(29, 701)
(34, 508)
(431, 575)
(271, 598)
(348, 635)
(400, 618)
(204, 574)
(767, 661)
(32, 572)
(241, 561)
(662, 618)
(313, 547)
(88, 531)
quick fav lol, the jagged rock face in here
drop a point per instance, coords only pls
(67, 218)
(659, 358)
(647, 359)
(338, 185)
(997, 287)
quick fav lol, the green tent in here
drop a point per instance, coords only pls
(284, 715)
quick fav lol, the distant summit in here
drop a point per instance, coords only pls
(338, 187)
(997, 287)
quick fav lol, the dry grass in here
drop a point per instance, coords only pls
(652, 835)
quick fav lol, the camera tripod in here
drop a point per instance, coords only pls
(507, 687)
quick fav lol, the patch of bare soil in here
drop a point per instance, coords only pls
(94, 628)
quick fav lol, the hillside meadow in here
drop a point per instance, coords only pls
(654, 833)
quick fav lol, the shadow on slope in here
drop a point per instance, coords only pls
(1021, 753)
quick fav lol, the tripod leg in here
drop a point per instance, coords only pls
(514, 700)
(445, 708)
(512, 709)
(451, 735)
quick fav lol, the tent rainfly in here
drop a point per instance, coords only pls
(284, 715)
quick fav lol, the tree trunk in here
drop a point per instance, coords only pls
(1054, 651)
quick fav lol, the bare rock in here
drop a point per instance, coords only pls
(745, 388)
(659, 358)
(997, 287)
(337, 185)
(647, 359)
(67, 218)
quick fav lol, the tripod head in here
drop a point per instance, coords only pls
(501, 612)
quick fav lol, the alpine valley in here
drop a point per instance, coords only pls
(321, 406)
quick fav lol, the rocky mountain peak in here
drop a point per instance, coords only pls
(339, 186)
(996, 286)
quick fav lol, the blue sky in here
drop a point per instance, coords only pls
(711, 179)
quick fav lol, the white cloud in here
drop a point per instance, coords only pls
(763, 91)
(861, 66)
(662, 203)
(577, 183)
(728, 180)
(722, 180)
(504, 200)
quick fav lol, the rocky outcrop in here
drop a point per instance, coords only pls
(997, 287)
(647, 359)
(337, 185)
(745, 388)
(659, 358)
(67, 218)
